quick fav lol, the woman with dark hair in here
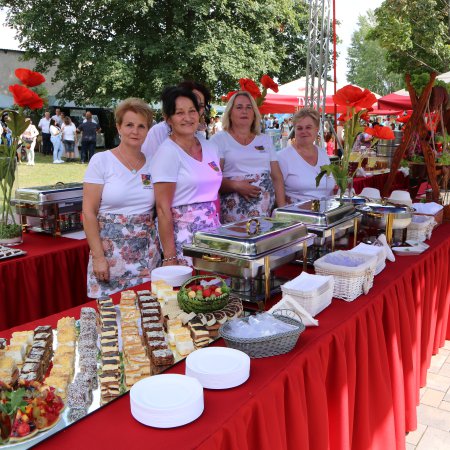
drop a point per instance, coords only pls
(56, 138)
(159, 132)
(252, 177)
(186, 175)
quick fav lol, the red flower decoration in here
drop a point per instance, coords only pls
(380, 132)
(354, 97)
(268, 83)
(226, 98)
(29, 78)
(403, 119)
(26, 97)
(250, 86)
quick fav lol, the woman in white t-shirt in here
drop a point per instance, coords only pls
(69, 136)
(252, 178)
(300, 162)
(187, 176)
(29, 137)
(56, 138)
(118, 201)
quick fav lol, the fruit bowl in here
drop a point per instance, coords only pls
(198, 298)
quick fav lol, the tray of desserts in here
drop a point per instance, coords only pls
(88, 362)
(8, 252)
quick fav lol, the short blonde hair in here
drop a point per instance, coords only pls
(136, 105)
(307, 112)
(226, 118)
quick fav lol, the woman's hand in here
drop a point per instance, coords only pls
(100, 268)
(247, 189)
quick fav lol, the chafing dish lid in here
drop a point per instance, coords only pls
(385, 209)
(252, 237)
(52, 193)
(317, 212)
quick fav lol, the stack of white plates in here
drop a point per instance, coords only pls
(218, 367)
(172, 275)
(166, 401)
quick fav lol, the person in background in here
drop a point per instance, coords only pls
(56, 138)
(284, 128)
(44, 126)
(252, 179)
(118, 202)
(217, 125)
(57, 117)
(300, 162)
(89, 128)
(210, 129)
(202, 127)
(29, 137)
(160, 132)
(329, 140)
(69, 136)
(6, 132)
(187, 177)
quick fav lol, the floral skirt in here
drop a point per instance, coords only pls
(132, 250)
(234, 207)
(187, 219)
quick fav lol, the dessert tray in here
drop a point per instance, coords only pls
(8, 252)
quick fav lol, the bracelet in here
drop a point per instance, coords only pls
(172, 258)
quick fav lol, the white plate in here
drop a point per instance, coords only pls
(172, 275)
(405, 251)
(218, 367)
(166, 401)
(418, 244)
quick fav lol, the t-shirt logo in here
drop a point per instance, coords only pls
(214, 166)
(260, 148)
(146, 180)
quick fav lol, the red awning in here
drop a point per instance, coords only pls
(395, 101)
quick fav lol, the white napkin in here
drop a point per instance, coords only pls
(287, 302)
(382, 240)
(427, 208)
(404, 171)
(360, 172)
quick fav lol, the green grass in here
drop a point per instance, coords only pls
(45, 173)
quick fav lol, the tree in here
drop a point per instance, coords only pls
(366, 62)
(415, 34)
(105, 50)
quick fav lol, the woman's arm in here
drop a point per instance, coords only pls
(164, 193)
(278, 183)
(244, 187)
(92, 194)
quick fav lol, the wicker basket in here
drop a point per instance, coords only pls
(263, 347)
(420, 228)
(349, 281)
(372, 250)
(202, 305)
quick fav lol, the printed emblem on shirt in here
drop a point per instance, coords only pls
(260, 148)
(146, 180)
(214, 166)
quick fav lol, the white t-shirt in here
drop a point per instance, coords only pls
(155, 137)
(69, 131)
(44, 125)
(240, 160)
(123, 192)
(196, 181)
(55, 131)
(300, 176)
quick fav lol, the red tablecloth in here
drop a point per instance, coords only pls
(378, 182)
(353, 382)
(49, 279)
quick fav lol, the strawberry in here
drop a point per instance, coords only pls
(206, 293)
(23, 429)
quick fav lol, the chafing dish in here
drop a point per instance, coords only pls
(328, 219)
(388, 217)
(52, 209)
(248, 251)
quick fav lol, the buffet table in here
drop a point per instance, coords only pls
(353, 382)
(378, 181)
(49, 279)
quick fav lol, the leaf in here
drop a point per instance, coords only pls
(17, 399)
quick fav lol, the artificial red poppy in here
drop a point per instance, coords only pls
(380, 132)
(268, 83)
(26, 97)
(354, 97)
(404, 119)
(344, 117)
(29, 78)
(226, 98)
(250, 86)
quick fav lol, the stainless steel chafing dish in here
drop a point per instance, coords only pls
(52, 209)
(328, 219)
(248, 251)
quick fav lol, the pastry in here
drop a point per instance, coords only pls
(184, 345)
(162, 357)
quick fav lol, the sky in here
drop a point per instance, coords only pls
(347, 12)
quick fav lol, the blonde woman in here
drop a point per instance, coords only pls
(252, 179)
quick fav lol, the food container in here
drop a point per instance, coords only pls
(248, 251)
(420, 228)
(52, 209)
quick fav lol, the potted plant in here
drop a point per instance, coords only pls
(14, 125)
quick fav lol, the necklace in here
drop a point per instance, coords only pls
(130, 166)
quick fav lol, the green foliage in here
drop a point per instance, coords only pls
(420, 80)
(14, 401)
(414, 34)
(106, 50)
(444, 159)
(366, 62)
